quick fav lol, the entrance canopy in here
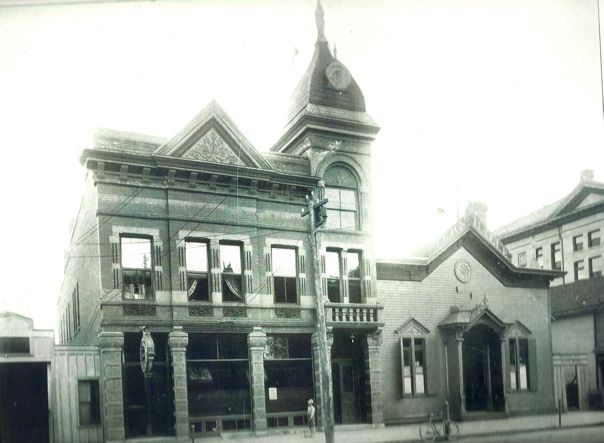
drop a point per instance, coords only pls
(465, 319)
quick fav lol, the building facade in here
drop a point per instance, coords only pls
(465, 325)
(190, 270)
(566, 236)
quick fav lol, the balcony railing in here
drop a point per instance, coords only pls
(353, 315)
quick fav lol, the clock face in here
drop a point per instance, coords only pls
(338, 75)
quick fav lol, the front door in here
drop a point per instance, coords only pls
(345, 392)
(483, 381)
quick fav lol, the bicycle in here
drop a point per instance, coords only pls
(447, 430)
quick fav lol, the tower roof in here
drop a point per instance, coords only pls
(326, 82)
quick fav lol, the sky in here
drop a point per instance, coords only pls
(497, 101)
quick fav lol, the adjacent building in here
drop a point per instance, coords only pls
(567, 236)
(463, 324)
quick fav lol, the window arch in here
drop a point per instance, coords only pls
(341, 188)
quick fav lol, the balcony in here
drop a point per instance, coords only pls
(353, 315)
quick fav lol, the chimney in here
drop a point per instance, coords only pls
(478, 210)
(587, 175)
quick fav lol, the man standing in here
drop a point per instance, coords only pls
(310, 414)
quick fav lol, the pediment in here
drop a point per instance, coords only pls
(211, 147)
(580, 198)
(411, 327)
(517, 329)
(213, 137)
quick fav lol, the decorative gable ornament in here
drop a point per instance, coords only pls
(212, 148)
(412, 327)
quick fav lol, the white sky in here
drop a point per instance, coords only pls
(494, 101)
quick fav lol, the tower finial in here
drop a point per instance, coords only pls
(320, 22)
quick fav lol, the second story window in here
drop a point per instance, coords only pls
(232, 281)
(539, 257)
(284, 274)
(556, 256)
(341, 190)
(136, 267)
(354, 276)
(198, 287)
(522, 260)
(593, 238)
(595, 266)
(578, 242)
(579, 268)
(333, 274)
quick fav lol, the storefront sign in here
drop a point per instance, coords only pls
(272, 393)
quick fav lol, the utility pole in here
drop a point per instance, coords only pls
(318, 216)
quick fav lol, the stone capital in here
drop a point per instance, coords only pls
(375, 339)
(256, 339)
(111, 340)
(178, 339)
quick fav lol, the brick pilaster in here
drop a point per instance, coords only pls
(111, 345)
(374, 342)
(256, 341)
(178, 340)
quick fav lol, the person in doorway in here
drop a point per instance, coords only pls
(310, 415)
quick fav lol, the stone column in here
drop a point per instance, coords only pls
(111, 345)
(178, 340)
(374, 342)
(256, 341)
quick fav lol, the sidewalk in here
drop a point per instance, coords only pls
(410, 433)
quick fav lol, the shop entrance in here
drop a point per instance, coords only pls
(482, 377)
(24, 402)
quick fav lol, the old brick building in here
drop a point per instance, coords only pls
(463, 324)
(566, 235)
(190, 269)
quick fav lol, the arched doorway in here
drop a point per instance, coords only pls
(482, 366)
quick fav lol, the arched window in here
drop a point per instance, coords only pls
(341, 190)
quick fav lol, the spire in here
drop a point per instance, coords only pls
(320, 22)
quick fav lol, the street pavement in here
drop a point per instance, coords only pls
(584, 426)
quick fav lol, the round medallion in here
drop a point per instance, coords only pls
(338, 75)
(147, 353)
(463, 271)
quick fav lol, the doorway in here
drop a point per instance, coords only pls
(24, 402)
(345, 392)
(571, 385)
(482, 366)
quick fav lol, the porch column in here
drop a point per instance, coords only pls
(256, 341)
(504, 375)
(462, 392)
(374, 342)
(178, 340)
(111, 345)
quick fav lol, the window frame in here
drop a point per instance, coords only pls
(579, 268)
(515, 363)
(413, 366)
(191, 274)
(277, 276)
(127, 270)
(358, 279)
(331, 208)
(329, 279)
(539, 256)
(592, 239)
(577, 242)
(524, 262)
(590, 264)
(98, 418)
(223, 274)
(556, 247)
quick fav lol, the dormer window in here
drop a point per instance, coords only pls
(341, 190)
